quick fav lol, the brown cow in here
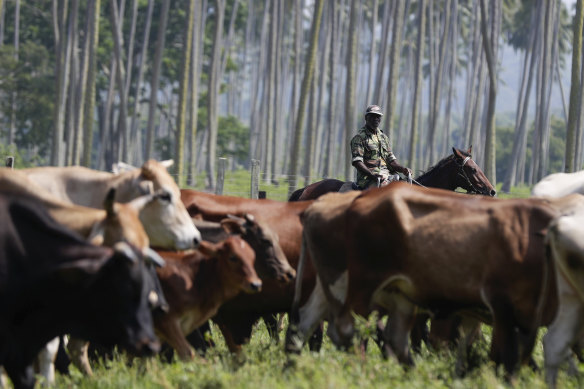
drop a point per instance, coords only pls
(271, 262)
(196, 283)
(405, 246)
(237, 316)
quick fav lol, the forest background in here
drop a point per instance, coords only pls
(286, 82)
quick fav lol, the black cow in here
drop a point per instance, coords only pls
(52, 282)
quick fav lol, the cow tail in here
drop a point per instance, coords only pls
(294, 312)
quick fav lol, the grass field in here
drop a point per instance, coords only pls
(267, 366)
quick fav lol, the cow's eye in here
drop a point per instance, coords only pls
(165, 196)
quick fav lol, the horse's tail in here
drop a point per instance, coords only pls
(295, 196)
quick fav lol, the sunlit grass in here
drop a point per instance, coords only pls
(268, 366)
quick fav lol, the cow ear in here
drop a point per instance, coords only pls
(232, 226)
(207, 248)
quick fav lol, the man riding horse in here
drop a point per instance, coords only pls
(371, 153)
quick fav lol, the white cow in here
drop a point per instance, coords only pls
(566, 243)
(560, 184)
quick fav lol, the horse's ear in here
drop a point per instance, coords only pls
(457, 152)
(469, 151)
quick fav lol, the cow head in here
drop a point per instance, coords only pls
(166, 219)
(119, 295)
(236, 262)
(271, 262)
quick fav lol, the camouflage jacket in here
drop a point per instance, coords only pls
(372, 148)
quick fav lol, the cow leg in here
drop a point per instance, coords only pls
(315, 340)
(419, 332)
(46, 360)
(78, 353)
(170, 331)
(402, 314)
(21, 377)
(238, 333)
(467, 332)
(310, 315)
(566, 329)
(271, 322)
(504, 342)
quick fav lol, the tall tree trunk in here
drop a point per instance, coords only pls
(213, 91)
(183, 97)
(350, 84)
(396, 46)
(488, 44)
(63, 54)
(382, 59)
(372, 52)
(155, 83)
(433, 117)
(121, 81)
(417, 95)
(331, 127)
(135, 149)
(575, 91)
(271, 93)
(12, 130)
(195, 76)
(89, 108)
(306, 81)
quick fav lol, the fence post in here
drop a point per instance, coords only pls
(221, 175)
(255, 178)
(10, 162)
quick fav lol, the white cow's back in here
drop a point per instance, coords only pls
(560, 184)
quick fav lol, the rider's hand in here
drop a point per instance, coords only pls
(406, 171)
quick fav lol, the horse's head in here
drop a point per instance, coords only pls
(470, 176)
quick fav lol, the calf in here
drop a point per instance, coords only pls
(49, 275)
(196, 283)
(237, 317)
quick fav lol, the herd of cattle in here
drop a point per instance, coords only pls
(129, 259)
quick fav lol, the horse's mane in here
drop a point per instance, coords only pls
(441, 163)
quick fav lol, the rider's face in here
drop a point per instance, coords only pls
(372, 120)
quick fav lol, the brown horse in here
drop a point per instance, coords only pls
(457, 170)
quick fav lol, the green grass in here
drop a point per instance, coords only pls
(267, 366)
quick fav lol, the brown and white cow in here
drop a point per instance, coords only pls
(166, 221)
(196, 283)
(52, 282)
(237, 316)
(405, 247)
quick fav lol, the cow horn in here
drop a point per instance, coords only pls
(126, 250)
(167, 163)
(153, 257)
(120, 167)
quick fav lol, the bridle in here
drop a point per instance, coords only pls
(462, 173)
